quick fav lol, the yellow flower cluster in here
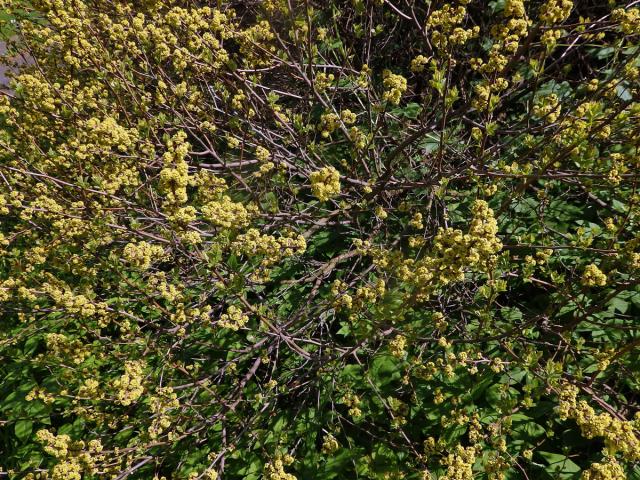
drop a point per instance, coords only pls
(129, 385)
(619, 435)
(73, 303)
(399, 410)
(443, 24)
(628, 18)
(342, 300)
(552, 13)
(370, 293)
(210, 474)
(63, 347)
(226, 213)
(460, 463)
(593, 276)
(142, 255)
(506, 37)
(398, 346)
(348, 117)
(210, 187)
(184, 315)
(274, 470)
(447, 17)
(547, 108)
(105, 142)
(237, 100)
(609, 470)
(252, 243)
(40, 394)
(76, 457)
(416, 221)
(531, 262)
(329, 123)
(364, 295)
(67, 470)
(419, 63)
(455, 252)
(395, 85)
(514, 8)
(202, 30)
(476, 250)
(258, 34)
(264, 169)
(4, 210)
(160, 286)
(89, 389)
(583, 124)
(160, 405)
(329, 444)
(555, 11)
(359, 138)
(460, 36)
(182, 216)
(262, 154)
(174, 177)
(54, 445)
(364, 77)
(109, 133)
(234, 319)
(36, 91)
(323, 81)
(353, 401)
(487, 94)
(446, 366)
(325, 183)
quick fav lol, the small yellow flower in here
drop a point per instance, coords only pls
(329, 444)
(325, 183)
(593, 276)
(395, 85)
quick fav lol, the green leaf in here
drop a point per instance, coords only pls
(23, 429)
(411, 110)
(336, 464)
(384, 370)
(560, 466)
(345, 329)
(616, 303)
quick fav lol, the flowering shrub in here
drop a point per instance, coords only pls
(294, 240)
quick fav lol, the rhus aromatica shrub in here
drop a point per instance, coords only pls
(378, 239)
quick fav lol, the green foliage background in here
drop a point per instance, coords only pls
(187, 292)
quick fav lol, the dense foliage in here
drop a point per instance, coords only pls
(392, 239)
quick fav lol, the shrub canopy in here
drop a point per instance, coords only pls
(377, 239)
